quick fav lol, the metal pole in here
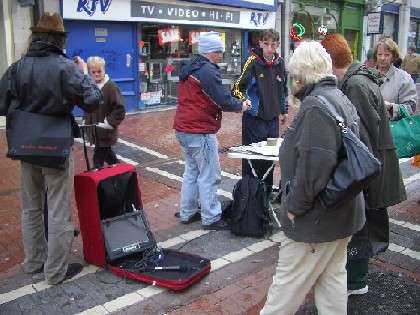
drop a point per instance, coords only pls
(285, 27)
(404, 26)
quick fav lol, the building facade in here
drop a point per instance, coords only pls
(402, 23)
(312, 19)
(144, 42)
(399, 20)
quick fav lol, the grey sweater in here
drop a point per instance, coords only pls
(308, 156)
(399, 88)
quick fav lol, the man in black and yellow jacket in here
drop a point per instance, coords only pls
(264, 82)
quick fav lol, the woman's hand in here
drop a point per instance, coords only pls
(388, 105)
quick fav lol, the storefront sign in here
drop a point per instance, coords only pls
(90, 6)
(375, 23)
(168, 35)
(180, 12)
(169, 12)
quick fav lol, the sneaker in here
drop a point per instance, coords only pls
(218, 225)
(358, 291)
(194, 218)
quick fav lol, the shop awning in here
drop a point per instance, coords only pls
(265, 5)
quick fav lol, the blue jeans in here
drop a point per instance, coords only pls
(201, 177)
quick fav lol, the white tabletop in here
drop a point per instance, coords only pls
(256, 151)
(237, 155)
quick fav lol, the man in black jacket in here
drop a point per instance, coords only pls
(264, 82)
(46, 82)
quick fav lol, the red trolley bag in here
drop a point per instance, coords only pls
(115, 232)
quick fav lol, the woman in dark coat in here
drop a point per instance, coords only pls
(108, 117)
(362, 86)
(313, 249)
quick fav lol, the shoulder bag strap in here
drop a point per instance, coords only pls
(330, 108)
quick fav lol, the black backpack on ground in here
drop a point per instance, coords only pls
(249, 210)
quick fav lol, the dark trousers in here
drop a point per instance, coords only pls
(102, 155)
(255, 129)
(372, 239)
(357, 274)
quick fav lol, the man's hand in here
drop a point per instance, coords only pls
(246, 105)
(283, 118)
(105, 125)
(81, 64)
(291, 216)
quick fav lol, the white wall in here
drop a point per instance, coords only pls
(22, 20)
(51, 5)
(3, 43)
(6, 35)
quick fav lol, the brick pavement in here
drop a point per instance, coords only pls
(154, 131)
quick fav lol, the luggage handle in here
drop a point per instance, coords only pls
(83, 128)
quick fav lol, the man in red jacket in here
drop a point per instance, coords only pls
(201, 100)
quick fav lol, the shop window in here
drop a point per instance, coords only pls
(389, 27)
(315, 21)
(352, 38)
(164, 47)
(413, 35)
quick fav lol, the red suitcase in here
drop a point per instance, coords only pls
(109, 195)
(88, 204)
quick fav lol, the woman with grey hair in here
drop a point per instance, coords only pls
(313, 249)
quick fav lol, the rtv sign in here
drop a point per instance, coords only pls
(90, 6)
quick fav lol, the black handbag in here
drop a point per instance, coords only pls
(39, 139)
(354, 171)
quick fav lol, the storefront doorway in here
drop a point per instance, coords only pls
(116, 43)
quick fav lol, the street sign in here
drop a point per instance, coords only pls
(375, 23)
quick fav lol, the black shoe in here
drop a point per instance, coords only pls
(194, 218)
(218, 225)
(72, 270)
(39, 270)
(226, 206)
